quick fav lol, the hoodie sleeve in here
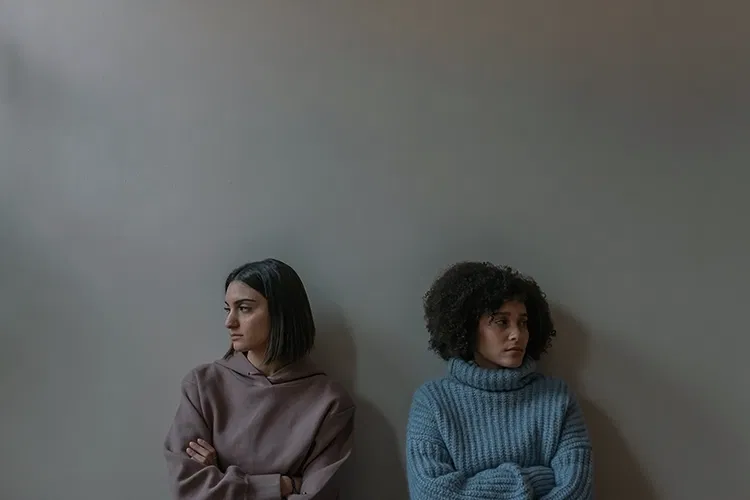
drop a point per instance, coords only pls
(321, 476)
(193, 481)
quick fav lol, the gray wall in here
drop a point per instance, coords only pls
(149, 146)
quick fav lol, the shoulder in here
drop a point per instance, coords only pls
(428, 389)
(551, 383)
(335, 393)
(429, 402)
(434, 393)
(202, 374)
(553, 389)
(321, 386)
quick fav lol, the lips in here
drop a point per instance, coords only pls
(514, 349)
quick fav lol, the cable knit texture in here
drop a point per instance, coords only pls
(497, 434)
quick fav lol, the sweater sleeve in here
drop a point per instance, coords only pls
(572, 462)
(193, 481)
(333, 446)
(432, 474)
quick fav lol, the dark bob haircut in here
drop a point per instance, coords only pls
(467, 290)
(292, 334)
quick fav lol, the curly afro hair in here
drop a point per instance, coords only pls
(467, 290)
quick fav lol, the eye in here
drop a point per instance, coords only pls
(245, 309)
(524, 324)
(226, 310)
(502, 322)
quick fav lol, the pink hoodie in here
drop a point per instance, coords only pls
(296, 422)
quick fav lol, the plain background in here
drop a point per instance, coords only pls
(149, 146)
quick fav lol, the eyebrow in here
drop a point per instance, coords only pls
(240, 301)
(505, 313)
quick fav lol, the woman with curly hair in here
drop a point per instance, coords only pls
(494, 428)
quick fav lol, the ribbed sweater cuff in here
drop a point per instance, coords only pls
(540, 478)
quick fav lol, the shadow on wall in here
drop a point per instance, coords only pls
(618, 475)
(677, 424)
(374, 471)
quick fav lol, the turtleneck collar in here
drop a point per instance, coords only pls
(500, 379)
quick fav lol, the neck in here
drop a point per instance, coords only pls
(483, 362)
(492, 379)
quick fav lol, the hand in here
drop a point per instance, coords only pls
(202, 452)
(289, 485)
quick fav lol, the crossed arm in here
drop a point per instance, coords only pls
(432, 474)
(195, 479)
(204, 453)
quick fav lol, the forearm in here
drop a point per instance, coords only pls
(573, 477)
(320, 482)
(572, 462)
(263, 486)
(531, 481)
(321, 479)
(428, 481)
(540, 479)
(193, 481)
(432, 472)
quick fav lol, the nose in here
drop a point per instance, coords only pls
(230, 321)
(514, 334)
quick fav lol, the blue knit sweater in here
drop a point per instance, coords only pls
(497, 434)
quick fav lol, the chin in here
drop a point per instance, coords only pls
(512, 360)
(239, 345)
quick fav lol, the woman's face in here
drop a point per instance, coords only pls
(247, 318)
(502, 337)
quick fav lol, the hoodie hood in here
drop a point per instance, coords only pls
(304, 368)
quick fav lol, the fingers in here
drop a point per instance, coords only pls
(202, 452)
(207, 446)
(200, 449)
(195, 455)
(287, 486)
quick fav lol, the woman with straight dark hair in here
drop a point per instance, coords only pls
(263, 422)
